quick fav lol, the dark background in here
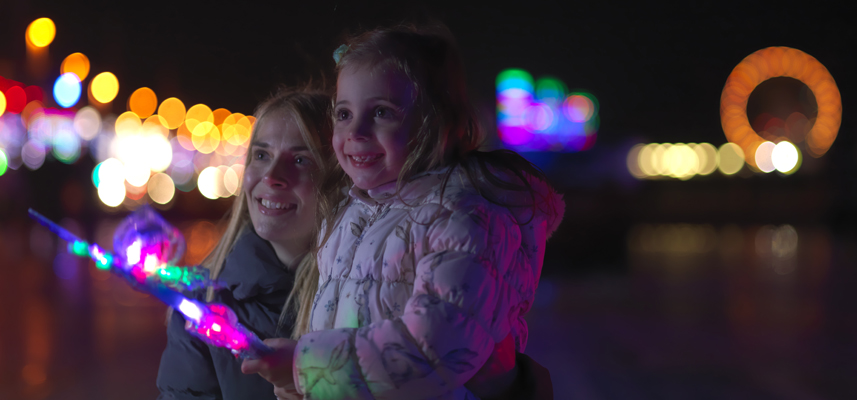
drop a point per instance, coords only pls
(612, 322)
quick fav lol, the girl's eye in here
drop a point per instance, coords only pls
(302, 160)
(259, 155)
(383, 112)
(342, 115)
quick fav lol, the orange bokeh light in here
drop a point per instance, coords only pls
(205, 137)
(143, 102)
(183, 135)
(220, 115)
(198, 114)
(775, 62)
(172, 110)
(76, 63)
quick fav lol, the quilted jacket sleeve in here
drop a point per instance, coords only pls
(465, 298)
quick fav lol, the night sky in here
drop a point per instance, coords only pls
(657, 71)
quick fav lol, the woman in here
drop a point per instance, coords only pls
(265, 256)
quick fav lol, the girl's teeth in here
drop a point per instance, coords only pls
(366, 158)
(273, 205)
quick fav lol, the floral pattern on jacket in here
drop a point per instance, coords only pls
(416, 289)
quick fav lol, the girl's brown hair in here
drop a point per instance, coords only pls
(448, 132)
(312, 114)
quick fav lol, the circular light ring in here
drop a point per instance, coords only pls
(774, 62)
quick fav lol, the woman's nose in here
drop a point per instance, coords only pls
(276, 177)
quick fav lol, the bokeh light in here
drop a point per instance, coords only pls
(161, 188)
(205, 137)
(541, 116)
(41, 32)
(67, 90)
(172, 110)
(181, 169)
(159, 152)
(16, 99)
(682, 161)
(198, 114)
(222, 190)
(87, 123)
(786, 157)
(33, 154)
(232, 179)
(154, 125)
(137, 172)
(775, 62)
(66, 144)
(143, 102)
(76, 63)
(104, 87)
(208, 182)
(111, 194)
(128, 123)
(2, 103)
(762, 156)
(31, 112)
(4, 162)
(109, 171)
(707, 155)
(219, 116)
(730, 158)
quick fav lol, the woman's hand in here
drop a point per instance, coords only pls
(276, 368)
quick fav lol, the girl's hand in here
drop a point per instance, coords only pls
(276, 368)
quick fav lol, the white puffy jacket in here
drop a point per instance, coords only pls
(415, 291)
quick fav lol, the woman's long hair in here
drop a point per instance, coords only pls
(312, 114)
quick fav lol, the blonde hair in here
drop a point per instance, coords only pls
(311, 111)
(448, 132)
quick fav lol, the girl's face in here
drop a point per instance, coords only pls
(278, 181)
(374, 120)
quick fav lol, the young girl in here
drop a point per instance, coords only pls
(264, 256)
(436, 254)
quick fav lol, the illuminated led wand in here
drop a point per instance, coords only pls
(215, 324)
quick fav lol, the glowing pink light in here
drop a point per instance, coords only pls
(514, 135)
(539, 117)
(578, 108)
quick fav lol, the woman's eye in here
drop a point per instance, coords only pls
(259, 155)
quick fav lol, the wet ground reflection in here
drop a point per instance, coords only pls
(698, 311)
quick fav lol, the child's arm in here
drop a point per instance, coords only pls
(466, 296)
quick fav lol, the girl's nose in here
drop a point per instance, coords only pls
(361, 130)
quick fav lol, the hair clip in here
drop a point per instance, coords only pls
(339, 52)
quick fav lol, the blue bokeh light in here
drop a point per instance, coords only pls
(67, 90)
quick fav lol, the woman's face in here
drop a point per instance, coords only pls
(374, 119)
(278, 181)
